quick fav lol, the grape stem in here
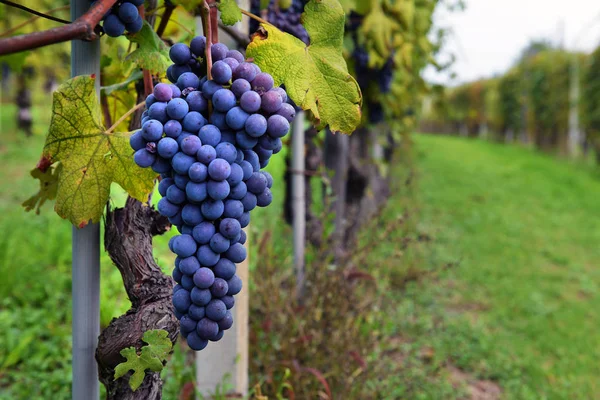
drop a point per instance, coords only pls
(257, 18)
(206, 27)
(34, 12)
(124, 117)
(31, 20)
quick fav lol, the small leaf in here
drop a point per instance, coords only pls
(377, 32)
(90, 159)
(150, 358)
(135, 75)
(152, 54)
(315, 76)
(48, 187)
(230, 12)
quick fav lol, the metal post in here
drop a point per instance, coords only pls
(85, 60)
(298, 200)
(574, 137)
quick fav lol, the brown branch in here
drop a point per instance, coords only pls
(241, 39)
(165, 19)
(34, 12)
(82, 28)
(206, 27)
(148, 84)
(105, 110)
(214, 26)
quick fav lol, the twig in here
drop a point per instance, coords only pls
(257, 18)
(169, 7)
(179, 24)
(124, 117)
(148, 84)
(82, 28)
(241, 39)
(105, 110)
(205, 15)
(214, 25)
(32, 19)
(34, 12)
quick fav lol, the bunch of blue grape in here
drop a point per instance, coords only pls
(287, 20)
(123, 16)
(209, 139)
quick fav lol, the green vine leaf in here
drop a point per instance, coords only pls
(315, 76)
(152, 53)
(150, 358)
(230, 12)
(377, 33)
(48, 187)
(90, 158)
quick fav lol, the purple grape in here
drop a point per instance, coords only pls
(238, 191)
(244, 141)
(271, 101)
(212, 209)
(232, 62)
(175, 195)
(228, 300)
(180, 53)
(236, 175)
(181, 163)
(221, 72)
(196, 192)
(209, 88)
(235, 283)
(277, 126)
(144, 158)
(152, 130)
(188, 80)
(177, 108)
(236, 118)
(236, 55)
(218, 190)
(191, 214)
(224, 269)
(262, 83)
(207, 328)
(265, 198)
(245, 71)
(219, 288)
(158, 111)
(204, 277)
(216, 310)
(249, 202)
(164, 185)
(223, 100)
(190, 145)
(207, 256)
(229, 227)
(227, 321)
(189, 266)
(136, 141)
(203, 232)
(218, 51)
(193, 121)
(196, 101)
(210, 135)
(198, 172)
(197, 312)
(219, 169)
(196, 342)
(250, 101)
(173, 129)
(198, 46)
(256, 125)
(219, 243)
(200, 297)
(163, 92)
(181, 301)
(206, 154)
(240, 86)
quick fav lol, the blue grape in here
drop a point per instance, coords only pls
(207, 256)
(256, 125)
(218, 51)
(218, 119)
(177, 287)
(189, 266)
(238, 191)
(152, 130)
(236, 55)
(234, 284)
(228, 300)
(184, 245)
(236, 253)
(262, 83)
(219, 169)
(136, 25)
(223, 100)
(175, 195)
(224, 269)
(219, 243)
(196, 101)
(181, 163)
(203, 232)
(227, 152)
(227, 321)
(269, 143)
(236, 175)
(164, 185)
(240, 86)
(176, 90)
(191, 214)
(245, 71)
(271, 101)
(210, 135)
(182, 301)
(282, 93)
(242, 237)
(193, 121)
(277, 126)
(113, 26)
(144, 158)
(162, 92)
(257, 183)
(198, 172)
(209, 88)
(177, 108)
(216, 310)
(204, 277)
(244, 219)
(158, 111)
(265, 198)
(278, 148)
(287, 111)
(180, 54)
(229, 227)
(187, 324)
(236, 118)
(233, 208)
(166, 208)
(167, 147)
(249, 202)
(245, 141)
(170, 73)
(173, 129)
(196, 192)
(218, 190)
(137, 141)
(206, 154)
(197, 312)
(149, 101)
(200, 297)
(250, 101)
(219, 288)
(207, 328)
(252, 158)
(178, 70)
(212, 209)
(269, 178)
(177, 274)
(190, 145)
(221, 72)
(198, 46)
(182, 136)
(233, 64)
(263, 154)
(196, 342)
(188, 80)
(161, 165)
(228, 137)
(186, 229)
(247, 169)
(181, 181)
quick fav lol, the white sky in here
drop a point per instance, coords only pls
(488, 36)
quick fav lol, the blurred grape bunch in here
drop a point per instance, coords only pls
(285, 15)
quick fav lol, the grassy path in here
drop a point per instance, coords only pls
(521, 306)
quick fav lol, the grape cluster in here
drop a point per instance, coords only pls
(287, 20)
(123, 16)
(209, 140)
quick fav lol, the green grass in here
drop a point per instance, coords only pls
(521, 304)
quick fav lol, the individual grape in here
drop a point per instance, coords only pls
(191, 214)
(149, 101)
(189, 266)
(247, 169)
(186, 229)
(252, 158)
(177, 274)
(250, 101)
(128, 13)
(188, 80)
(219, 243)
(137, 141)
(209, 88)
(198, 46)
(163, 92)
(278, 148)
(216, 310)
(152, 130)
(207, 256)
(184, 245)
(218, 119)
(245, 141)
(227, 321)
(221, 72)
(224, 269)
(265, 198)
(228, 136)
(212, 209)
(206, 154)
(177, 287)
(207, 328)
(144, 158)
(187, 324)
(164, 185)
(218, 337)
(282, 93)
(277, 126)
(219, 288)
(161, 165)
(198, 172)
(227, 152)
(180, 54)
(193, 121)
(210, 135)
(176, 219)
(196, 192)
(181, 180)
(173, 129)
(158, 111)
(218, 190)
(182, 301)
(236, 253)
(256, 125)
(178, 70)
(268, 143)
(238, 191)
(177, 108)
(229, 301)
(218, 51)
(233, 209)
(196, 101)
(219, 169)
(245, 71)
(257, 183)
(175, 89)
(170, 73)
(262, 83)
(200, 297)
(223, 100)
(196, 342)
(244, 219)
(271, 101)
(197, 312)
(181, 163)
(242, 237)
(240, 86)
(204, 277)
(229, 227)
(269, 178)
(203, 232)
(175, 195)
(113, 26)
(249, 202)
(232, 62)
(167, 147)
(236, 175)
(256, 69)
(236, 118)
(190, 145)
(234, 285)
(236, 55)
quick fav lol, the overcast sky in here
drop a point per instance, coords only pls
(489, 34)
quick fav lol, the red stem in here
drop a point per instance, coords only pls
(148, 84)
(82, 28)
(207, 28)
(214, 24)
